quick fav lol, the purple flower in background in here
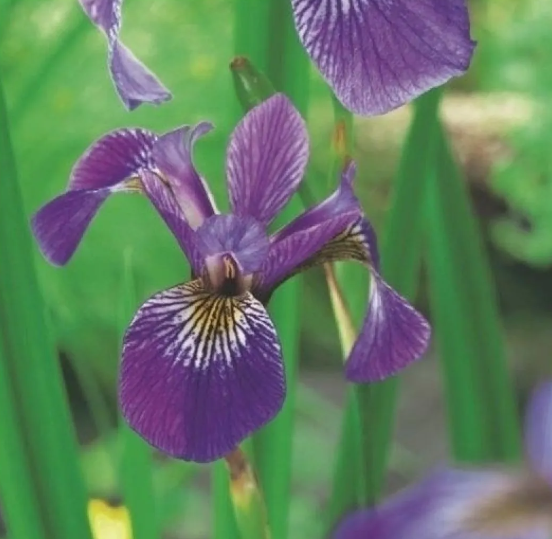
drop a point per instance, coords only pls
(375, 54)
(202, 364)
(134, 82)
(473, 504)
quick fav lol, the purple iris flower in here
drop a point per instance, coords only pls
(202, 364)
(473, 504)
(375, 54)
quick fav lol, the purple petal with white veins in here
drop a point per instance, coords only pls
(266, 160)
(134, 82)
(244, 237)
(200, 372)
(173, 153)
(380, 54)
(393, 333)
(60, 225)
(113, 158)
(538, 431)
(162, 197)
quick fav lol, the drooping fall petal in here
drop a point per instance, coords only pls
(108, 165)
(393, 333)
(200, 372)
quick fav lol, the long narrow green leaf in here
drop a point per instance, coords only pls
(371, 408)
(224, 522)
(136, 463)
(483, 420)
(32, 365)
(19, 501)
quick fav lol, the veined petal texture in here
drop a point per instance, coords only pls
(106, 166)
(164, 201)
(173, 154)
(393, 333)
(200, 372)
(379, 54)
(134, 82)
(266, 160)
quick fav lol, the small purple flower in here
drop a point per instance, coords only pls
(473, 504)
(375, 54)
(202, 364)
(134, 82)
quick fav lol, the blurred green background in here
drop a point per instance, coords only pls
(60, 99)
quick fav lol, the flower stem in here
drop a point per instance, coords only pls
(247, 498)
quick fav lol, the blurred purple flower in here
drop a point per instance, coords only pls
(134, 82)
(202, 365)
(375, 54)
(473, 504)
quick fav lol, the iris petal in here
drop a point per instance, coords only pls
(59, 225)
(538, 431)
(379, 54)
(244, 237)
(134, 82)
(173, 153)
(200, 372)
(113, 158)
(266, 159)
(393, 333)
(165, 203)
(105, 167)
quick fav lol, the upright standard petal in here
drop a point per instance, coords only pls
(200, 372)
(266, 160)
(393, 333)
(379, 54)
(109, 165)
(134, 82)
(173, 153)
(538, 431)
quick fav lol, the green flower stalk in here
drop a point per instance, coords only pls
(247, 498)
